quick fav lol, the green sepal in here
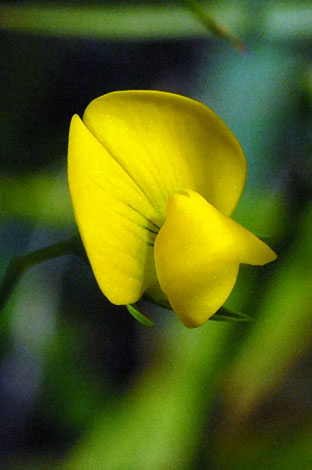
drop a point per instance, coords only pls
(223, 314)
(133, 310)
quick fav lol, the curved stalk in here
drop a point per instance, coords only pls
(18, 265)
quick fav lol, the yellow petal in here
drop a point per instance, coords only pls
(196, 258)
(117, 223)
(197, 255)
(251, 249)
(167, 142)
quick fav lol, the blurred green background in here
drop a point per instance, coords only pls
(82, 384)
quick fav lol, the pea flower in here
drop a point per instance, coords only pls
(154, 178)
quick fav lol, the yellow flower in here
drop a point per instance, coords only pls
(153, 178)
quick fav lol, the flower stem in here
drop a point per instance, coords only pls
(214, 28)
(18, 265)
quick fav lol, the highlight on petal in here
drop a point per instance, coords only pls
(116, 221)
(197, 255)
(167, 142)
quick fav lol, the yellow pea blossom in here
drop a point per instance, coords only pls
(154, 178)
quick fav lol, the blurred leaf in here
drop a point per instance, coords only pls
(282, 331)
(158, 423)
(109, 21)
(38, 198)
(287, 20)
(272, 450)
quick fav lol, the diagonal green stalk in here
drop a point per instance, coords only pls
(18, 265)
(214, 28)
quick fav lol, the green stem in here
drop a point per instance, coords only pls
(215, 29)
(18, 265)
